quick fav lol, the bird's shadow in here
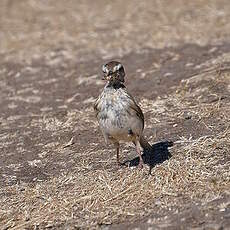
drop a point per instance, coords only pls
(157, 155)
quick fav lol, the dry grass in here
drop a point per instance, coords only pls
(93, 191)
(198, 170)
(108, 29)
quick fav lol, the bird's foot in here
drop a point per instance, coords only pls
(140, 165)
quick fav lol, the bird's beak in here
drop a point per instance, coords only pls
(105, 78)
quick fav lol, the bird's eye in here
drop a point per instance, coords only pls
(104, 69)
(117, 67)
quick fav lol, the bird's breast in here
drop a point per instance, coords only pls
(116, 116)
(113, 112)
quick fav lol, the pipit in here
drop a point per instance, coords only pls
(119, 116)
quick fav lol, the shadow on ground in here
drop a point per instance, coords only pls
(46, 107)
(158, 155)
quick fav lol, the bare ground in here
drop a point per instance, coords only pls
(56, 172)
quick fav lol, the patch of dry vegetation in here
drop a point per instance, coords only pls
(96, 192)
(108, 29)
(87, 196)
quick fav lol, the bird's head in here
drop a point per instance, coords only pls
(114, 72)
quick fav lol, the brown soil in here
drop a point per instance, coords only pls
(55, 170)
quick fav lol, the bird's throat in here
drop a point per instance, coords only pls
(115, 84)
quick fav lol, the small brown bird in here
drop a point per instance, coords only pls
(119, 116)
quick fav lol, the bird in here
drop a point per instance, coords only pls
(119, 116)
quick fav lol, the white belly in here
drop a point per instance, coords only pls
(117, 122)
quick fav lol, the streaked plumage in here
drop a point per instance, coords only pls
(119, 116)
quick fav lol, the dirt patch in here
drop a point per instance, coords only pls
(43, 107)
(56, 172)
(184, 100)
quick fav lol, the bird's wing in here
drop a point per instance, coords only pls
(135, 108)
(96, 107)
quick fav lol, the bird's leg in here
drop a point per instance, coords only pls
(138, 149)
(118, 157)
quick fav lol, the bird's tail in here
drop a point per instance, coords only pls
(145, 144)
